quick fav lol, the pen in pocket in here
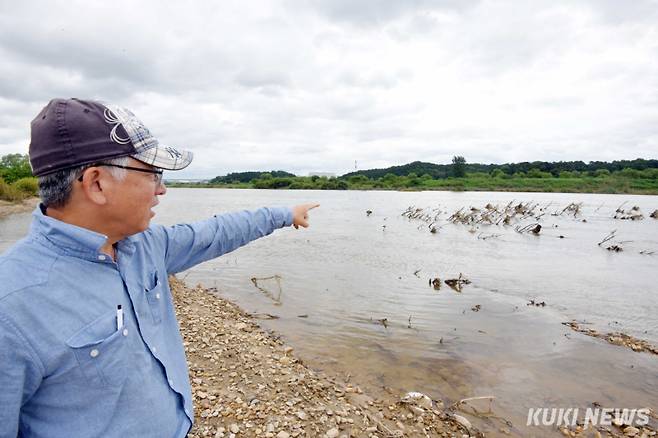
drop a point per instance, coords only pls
(119, 317)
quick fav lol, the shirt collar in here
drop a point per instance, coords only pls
(69, 239)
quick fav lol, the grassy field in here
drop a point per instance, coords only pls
(18, 190)
(583, 184)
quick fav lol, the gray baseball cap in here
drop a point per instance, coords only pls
(74, 132)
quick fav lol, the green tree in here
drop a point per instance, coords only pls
(458, 166)
(600, 173)
(390, 179)
(358, 179)
(14, 167)
(413, 180)
(629, 173)
(537, 173)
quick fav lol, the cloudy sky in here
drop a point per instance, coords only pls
(315, 85)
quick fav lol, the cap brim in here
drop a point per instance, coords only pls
(165, 157)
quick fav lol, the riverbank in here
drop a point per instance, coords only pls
(247, 382)
(8, 208)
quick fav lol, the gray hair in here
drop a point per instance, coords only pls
(55, 188)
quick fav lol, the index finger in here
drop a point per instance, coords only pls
(311, 206)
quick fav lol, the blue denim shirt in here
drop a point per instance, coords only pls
(65, 368)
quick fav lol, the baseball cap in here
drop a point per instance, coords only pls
(74, 132)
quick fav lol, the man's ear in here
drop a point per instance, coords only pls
(94, 185)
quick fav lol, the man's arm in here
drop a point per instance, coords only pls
(187, 245)
(20, 376)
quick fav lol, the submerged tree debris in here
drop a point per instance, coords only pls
(610, 236)
(276, 299)
(457, 283)
(613, 247)
(615, 338)
(572, 209)
(496, 215)
(413, 212)
(513, 213)
(431, 217)
(435, 283)
(531, 228)
(633, 214)
(483, 236)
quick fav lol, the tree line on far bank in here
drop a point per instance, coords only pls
(623, 176)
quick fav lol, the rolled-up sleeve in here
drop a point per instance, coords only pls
(187, 245)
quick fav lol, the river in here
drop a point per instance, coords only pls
(340, 278)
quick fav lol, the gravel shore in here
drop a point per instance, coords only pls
(8, 208)
(247, 382)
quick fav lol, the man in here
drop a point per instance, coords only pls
(89, 342)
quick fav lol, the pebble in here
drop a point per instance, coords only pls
(332, 433)
(631, 431)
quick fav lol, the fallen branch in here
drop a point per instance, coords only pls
(267, 293)
(531, 228)
(608, 237)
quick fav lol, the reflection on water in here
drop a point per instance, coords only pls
(349, 271)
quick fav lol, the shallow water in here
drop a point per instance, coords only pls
(348, 271)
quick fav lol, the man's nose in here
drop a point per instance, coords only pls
(161, 189)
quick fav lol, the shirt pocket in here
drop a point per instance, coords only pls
(155, 298)
(101, 351)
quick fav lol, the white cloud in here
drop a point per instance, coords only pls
(313, 86)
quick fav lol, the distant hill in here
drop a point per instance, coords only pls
(417, 167)
(244, 177)
(444, 170)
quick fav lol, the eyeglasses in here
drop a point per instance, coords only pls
(157, 174)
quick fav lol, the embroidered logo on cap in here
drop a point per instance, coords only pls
(112, 119)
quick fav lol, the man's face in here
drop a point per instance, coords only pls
(134, 198)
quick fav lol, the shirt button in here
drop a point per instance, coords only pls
(157, 295)
(93, 353)
(155, 350)
(125, 332)
(101, 257)
(171, 382)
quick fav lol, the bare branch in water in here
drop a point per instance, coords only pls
(608, 237)
(267, 293)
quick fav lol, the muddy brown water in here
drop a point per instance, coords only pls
(350, 270)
